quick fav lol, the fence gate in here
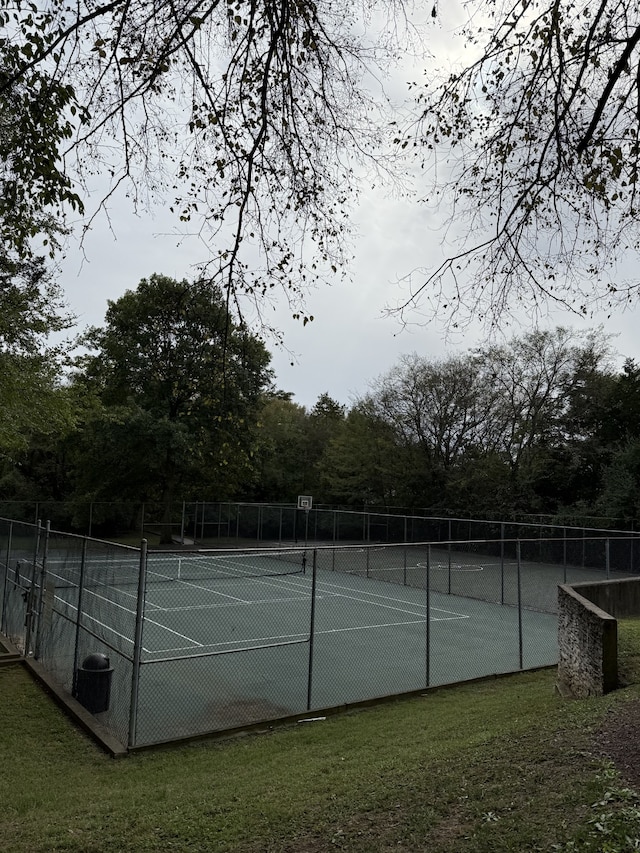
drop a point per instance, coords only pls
(22, 599)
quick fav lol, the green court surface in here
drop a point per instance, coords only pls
(222, 653)
(252, 637)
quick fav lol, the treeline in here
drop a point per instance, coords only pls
(172, 400)
(543, 425)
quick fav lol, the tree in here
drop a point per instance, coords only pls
(537, 143)
(281, 450)
(250, 114)
(439, 410)
(323, 424)
(180, 384)
(31, 309)
(362, 464)
(35, 122)
(487, 431)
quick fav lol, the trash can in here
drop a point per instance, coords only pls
(93, 683)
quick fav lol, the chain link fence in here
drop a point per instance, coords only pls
(162, 644)
(249, 524)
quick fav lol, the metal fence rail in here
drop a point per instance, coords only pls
(165, 644)
(211, 523)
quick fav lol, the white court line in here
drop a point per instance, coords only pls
(291, 582)
(379, 603)
(244, 642)
(238, 603)
(296, 582)
(86, 616)
(116, 633)
(171, 631)
(204, 589)
(291, 637)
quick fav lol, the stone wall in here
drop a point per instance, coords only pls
(619, 598)
(588, 645)
(588, 633)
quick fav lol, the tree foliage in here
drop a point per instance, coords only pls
(36, 121)
(248, 117)
(179, 386)
(537, 146)
(31, 309)
(489, 427)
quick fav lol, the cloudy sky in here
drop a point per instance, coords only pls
(351, 341)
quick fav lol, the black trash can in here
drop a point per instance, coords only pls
(93, 683)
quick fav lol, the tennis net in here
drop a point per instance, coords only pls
(165, 567)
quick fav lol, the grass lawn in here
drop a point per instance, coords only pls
(502, 765)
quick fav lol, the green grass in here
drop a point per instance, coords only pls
(629, 651)
(502, 765)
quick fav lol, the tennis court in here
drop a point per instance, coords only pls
(220, 649)
(369, 638)
(209, 641)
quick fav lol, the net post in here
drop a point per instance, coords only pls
(312, 623)
(607, 556)
(137, 645)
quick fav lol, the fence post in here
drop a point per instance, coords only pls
(312, 624)
(41, 582)
(3, 618)
(502, 538)
(428, 618)
(79, 611)
(182, 520)
(137, 645)
(28, 624)
(520, 641)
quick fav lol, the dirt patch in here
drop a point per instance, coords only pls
(618, 739)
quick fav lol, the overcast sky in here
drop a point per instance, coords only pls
(351, 341)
